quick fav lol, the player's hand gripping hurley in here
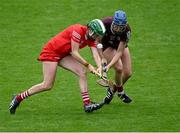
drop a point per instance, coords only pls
(104, 81)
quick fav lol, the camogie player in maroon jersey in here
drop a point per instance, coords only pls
(115, 53)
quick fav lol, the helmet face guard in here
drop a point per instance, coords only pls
(117, 29)
(91, 35)
(119, 22)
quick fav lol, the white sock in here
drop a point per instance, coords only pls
(122, 92)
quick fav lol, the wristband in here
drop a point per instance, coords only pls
(99, 46)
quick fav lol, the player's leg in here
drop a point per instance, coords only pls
(126, 62)
(127, 66)
(71, 64)
(109, 54)
(49, 73)
(118, 67)
(119, 82)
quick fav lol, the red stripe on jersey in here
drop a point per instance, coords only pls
(76, 37)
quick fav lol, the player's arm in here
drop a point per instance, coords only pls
(75, 53)
(103, 69)
(118, 54)
(79, 58)
(96, 56)
(100, 51)
(125, 38)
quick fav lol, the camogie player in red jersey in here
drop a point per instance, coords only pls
(63, 50)
(115, 51)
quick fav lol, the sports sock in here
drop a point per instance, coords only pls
(120, 90)
(85, 97)
(22, 95)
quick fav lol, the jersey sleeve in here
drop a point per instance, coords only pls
(126, 36)
(76, 36)
(128, 33)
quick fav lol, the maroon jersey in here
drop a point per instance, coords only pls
(112, 40)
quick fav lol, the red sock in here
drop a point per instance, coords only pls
(119, 88)
(22, 96)
(85, 97)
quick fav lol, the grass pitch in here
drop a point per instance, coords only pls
(26, 25)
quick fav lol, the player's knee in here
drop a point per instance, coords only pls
(81, 73)
(47, 86)
(118, 69)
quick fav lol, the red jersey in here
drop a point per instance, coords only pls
(60, 45)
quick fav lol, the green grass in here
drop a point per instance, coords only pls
(25, 25)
